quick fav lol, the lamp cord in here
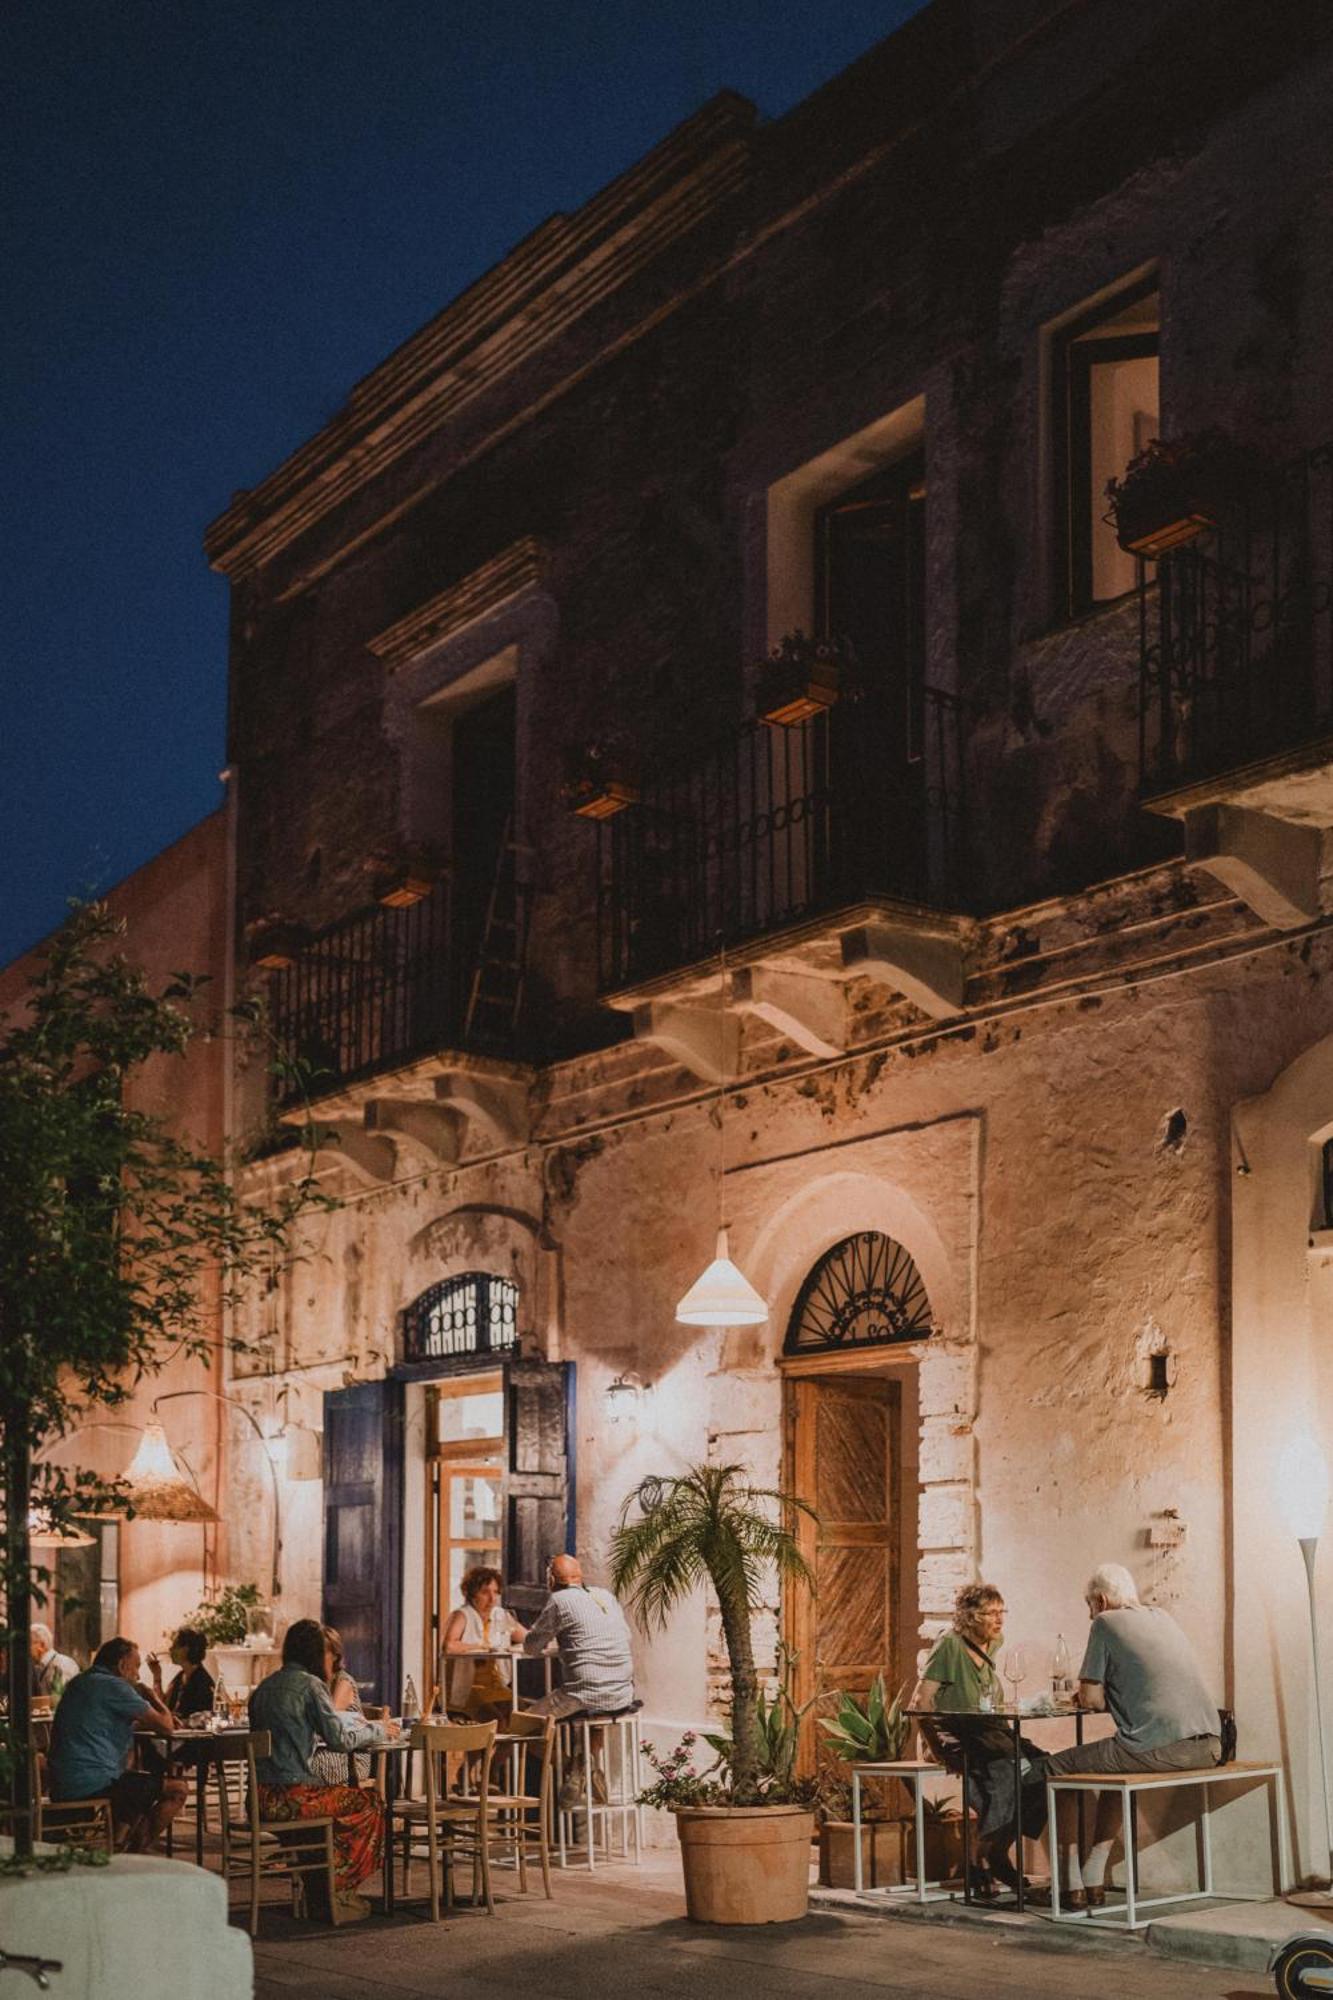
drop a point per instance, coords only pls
(722, 1088)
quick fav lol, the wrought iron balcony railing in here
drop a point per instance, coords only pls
(1236, 633)
(778, 825)
(385, 985)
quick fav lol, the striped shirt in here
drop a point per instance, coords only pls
(589, 1629)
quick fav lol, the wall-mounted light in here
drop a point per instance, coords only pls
(622, 1398)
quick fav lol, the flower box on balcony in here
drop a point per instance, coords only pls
(276, 945)
(1172, 492)
(800, 678)
(407, 882)
(601, 781)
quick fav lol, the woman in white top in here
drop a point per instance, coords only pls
(479, 1687)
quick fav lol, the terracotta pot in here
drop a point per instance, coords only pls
(884, 1859)
(746, 1864)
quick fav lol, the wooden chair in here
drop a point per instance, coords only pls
(444, 1825)
(259, 1848)
(523, 1816)
(80, 1822)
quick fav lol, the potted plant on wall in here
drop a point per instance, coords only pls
(1173, 491)
(801, 677)
(745, 1833)
(601, 778)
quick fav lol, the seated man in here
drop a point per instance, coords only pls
(1141, 1667)
(587, 1628)
(91, 1739)
(51, 1671)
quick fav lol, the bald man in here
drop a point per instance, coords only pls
(587, 1628)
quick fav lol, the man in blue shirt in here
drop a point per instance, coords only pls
(91, 1739)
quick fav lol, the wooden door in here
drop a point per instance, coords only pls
(363, 1516)
(845, 1458)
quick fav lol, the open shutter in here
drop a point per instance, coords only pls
(539, 1480)
(363, 1529)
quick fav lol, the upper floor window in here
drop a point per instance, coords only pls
(474, 1314)
(1106, 409)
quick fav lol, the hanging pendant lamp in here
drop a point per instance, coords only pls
(44, 1534)
(158, 1489)
(722, 1295)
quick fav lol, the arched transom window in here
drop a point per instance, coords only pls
(474, 1314)
(864, 1292)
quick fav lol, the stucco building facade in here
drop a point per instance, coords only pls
(999, 968)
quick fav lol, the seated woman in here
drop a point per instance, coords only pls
(960, 1678)
(191, 1690)
(332, 1767)
(295, 1707)
(480, 1689)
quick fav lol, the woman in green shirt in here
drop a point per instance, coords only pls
(961, 1678)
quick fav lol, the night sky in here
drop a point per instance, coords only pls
(219, 214)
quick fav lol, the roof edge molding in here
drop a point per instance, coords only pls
(551, 279)
(474, 596)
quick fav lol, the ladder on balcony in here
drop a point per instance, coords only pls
(495, 996)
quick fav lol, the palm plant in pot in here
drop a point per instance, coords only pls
(744, 1833)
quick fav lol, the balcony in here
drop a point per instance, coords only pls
(775, 833)
(404, 1024)
(1236, 653)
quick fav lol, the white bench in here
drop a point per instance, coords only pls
(912, 1771)
(1130, 1785)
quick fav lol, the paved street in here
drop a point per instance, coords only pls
(625, 1933)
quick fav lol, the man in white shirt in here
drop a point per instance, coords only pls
(50, 1669)
(586, 1627)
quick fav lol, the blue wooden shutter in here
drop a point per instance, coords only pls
(539, 1480)
(363, 1532)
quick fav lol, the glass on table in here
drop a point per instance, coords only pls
(1015, 1669)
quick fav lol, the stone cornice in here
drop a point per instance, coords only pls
(473, 596)
(540, 289)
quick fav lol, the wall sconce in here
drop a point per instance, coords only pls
(622, 1398)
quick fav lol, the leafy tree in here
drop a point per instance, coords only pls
(121, 1241)
(710, 1523)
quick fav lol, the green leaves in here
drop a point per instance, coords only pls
(874, 1733)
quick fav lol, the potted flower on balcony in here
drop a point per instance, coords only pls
(276, 943)
(1172, 491)
(801, 677)
(745, 1830)
(600, 778)
(406, 877)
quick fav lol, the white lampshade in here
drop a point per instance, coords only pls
(723, 1296)
(1302, 1487)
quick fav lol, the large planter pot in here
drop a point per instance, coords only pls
(746, 1864)
(884, 1854)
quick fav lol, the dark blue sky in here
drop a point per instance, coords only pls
(219, 214)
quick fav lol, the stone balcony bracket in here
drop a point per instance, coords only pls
(808, 1010)
(493, 1106)
(371, 1156)
(1273, 865)
(926, 965)
(704, 1040)
(429, 1135)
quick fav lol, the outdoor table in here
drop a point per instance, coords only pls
(1013, 1720)
(210, 1747)
(515, 1654)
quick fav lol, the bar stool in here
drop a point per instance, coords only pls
(620, 1772)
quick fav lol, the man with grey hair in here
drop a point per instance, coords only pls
(50, 1669)
(1141, 1668)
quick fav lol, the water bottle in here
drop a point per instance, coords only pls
(221, 1705)
(1062, 1673)
(411, 1705)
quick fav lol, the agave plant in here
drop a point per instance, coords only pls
(711, 1524)
(873, 1734)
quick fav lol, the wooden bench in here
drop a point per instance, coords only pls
(1130, 1785)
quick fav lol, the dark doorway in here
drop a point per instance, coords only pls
(484, 788)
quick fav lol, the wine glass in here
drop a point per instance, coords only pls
(1015, 1669)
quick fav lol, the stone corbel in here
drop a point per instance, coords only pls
(704, 1040)
(428, 1133)
(371, 1157)
(496, 1105)
(811, 1012)
(1273, 865)
(926, 967)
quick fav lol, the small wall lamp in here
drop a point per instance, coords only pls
(622, 1398)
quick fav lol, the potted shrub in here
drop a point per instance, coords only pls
(801, 677)
(871, 1732)
(745, 1830)
(1172, 491)
(600, 778)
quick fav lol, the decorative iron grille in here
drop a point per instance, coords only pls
(774, 825)
(864, 1292)
(1236, 632)
(473, 1314)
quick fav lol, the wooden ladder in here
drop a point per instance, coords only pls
(495, 996)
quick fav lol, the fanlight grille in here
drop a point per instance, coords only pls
(864, 1292)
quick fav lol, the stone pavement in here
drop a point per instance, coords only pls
(623, 1933)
